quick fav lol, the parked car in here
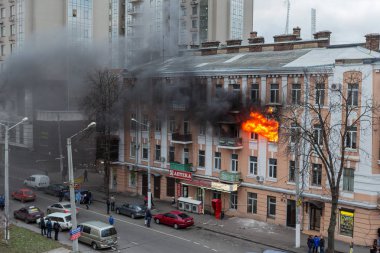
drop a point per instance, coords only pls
(54, 189)
(24, 195)
(37, 181)
(66, 195)
(61, 207)
(177, 219)
(98, 234)
(64, 220)
(132, 210)
(28, 214)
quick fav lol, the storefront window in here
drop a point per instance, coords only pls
(234, 200)
(252, 202)
(185, 191)
(346, 222)
(200, 194)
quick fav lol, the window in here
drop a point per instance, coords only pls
(86, 230)
(2, 50)
(351, 137)
(255, 96)
(194, 23)
(132, 179)
(157, 153)
(271, 209)
(294, 133)
(13, 30)
(3, 31)
(217, 160)
(292, 171)
(251, 202)
(185, 155)
(348, 179)
(234, 162)
(234, 200)
(201, 158)
(318, 138)
(296, 94)
(157, 125)
(13, 10)
(185, 191)
(195, 10)
(272, 168)
(254, 136)
(74, 13)
(253, 165)
(346, 222)
(202, 129)
(218, 90)
(171, 124)
(170, 187)
(133, 149)
(194, 37)
(171, 154)
(145, 122)
(2, 12)
(199, 194)
(316, 179)
(186, 126)
(320, 94)
(274, 93)
(216, 195)
(145, 152)
(353, 94)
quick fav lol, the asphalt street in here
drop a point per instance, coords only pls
(134, 237)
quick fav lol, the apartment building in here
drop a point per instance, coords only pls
(195, 155)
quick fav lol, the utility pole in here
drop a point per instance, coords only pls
(60, 147)
(298, 197)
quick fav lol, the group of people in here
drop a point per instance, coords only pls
(316, 244)
(47, 227)
(111, 204)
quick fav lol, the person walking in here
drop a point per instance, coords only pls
(89, 197)
(85, 176)
(86, 201)
(322, 245)
(310, 244)
(56, 228)
(351, 247)
(78, 196)
(111, 220)
(43, 226)
(49, 227)
(108, 205)
(113, 203)
(148, 217)
(60, 195)
(316, 244)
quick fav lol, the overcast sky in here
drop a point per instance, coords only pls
(348, 20)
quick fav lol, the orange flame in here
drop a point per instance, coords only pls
(259, 124)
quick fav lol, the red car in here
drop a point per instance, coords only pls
(24, 195)
(28, 214)
(177, 219)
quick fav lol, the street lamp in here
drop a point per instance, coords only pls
(6, 176)
(149, 191)
(71, 183)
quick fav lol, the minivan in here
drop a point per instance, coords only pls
(64, 220)
(98, 234)
(37, 181)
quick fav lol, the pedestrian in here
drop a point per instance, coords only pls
(322, 245)
(49, 227)
(60, 195)
(374, 247)
(111, 220)
(310, 243)
(89, 197)
(113, 203)
(86, 201)
(43, 226)
(351, 247)
(108, 205)
(148, 217)
(78, 197)
(316, 244)
(85, 178)
(145, 200)
(56, 228)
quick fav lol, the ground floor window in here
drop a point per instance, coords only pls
(200, 194)
(170, 187)
(251, 202)
(346, 224)
(271, 207)
(185, 191)
(132, 178)
(216, 195)
(234, 200)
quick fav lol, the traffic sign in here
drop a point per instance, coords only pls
(75, 231)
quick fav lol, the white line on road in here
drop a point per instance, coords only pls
(207, 247)
(214, 250)
(135, 243)
(197, 243)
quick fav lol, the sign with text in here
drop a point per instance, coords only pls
(180, 174)
(224, 187)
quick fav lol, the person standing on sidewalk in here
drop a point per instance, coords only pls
(113, 203)
(148, 217)
(322, 245)
(43, 226)
(60, 195)
(310, 243)
(111, 220)
(56, 228)
(49, 227)
(316, 244)
(108, 205)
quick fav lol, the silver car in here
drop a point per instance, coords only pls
(61, 207)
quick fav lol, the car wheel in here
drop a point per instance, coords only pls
(117, 211)
(94, 246)
(176, 226)
(133, 216)
(157, 221)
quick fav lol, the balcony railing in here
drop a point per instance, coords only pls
(230, 143)
(182, 167)
(182, 138)
(231, 177)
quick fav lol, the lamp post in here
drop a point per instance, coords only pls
(149, 191)
(71, 183)
(6, 176)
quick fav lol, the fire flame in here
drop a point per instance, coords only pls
(259, 124)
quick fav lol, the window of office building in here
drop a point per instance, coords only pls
(145, 152)
(318, 135)
(292, 171)
(133, 149)
(255, 95)
(251, 202)
(353, 94)
(171, 153)
(351, 136)
(320, 94)
(157, 153)
(194, 10)
(254, 136)
(194, 23)
(185, 155)
(296, 94)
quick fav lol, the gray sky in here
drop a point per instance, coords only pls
(348, 20)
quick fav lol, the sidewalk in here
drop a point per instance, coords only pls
(269, 235)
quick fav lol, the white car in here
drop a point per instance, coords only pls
(37, 181)
(64, 220)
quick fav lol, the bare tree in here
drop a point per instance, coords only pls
(103, 103)
(326, 124)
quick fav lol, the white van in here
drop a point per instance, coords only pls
(64, 220)
(37, 181)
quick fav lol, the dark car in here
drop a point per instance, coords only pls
(28, 214)
(177, 219)
(132, 210)
(24, 195)
(54, 189)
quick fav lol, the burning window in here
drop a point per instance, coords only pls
(259, 124)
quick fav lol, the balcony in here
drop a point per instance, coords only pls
(230, 143)
(230, 177)
(181, 167)
(182, 138)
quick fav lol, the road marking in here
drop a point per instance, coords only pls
(214, 250)
(135, 243)
(197, 243)
(207, 247)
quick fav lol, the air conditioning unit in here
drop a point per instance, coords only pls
(181, 205)
(335, 86)
(260, 179)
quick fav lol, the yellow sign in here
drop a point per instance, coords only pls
(224, 187)
(79, 180)
(349, 214)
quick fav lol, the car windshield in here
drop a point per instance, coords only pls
(183, 215)
(108, 232)
(67, 206)
(139, 208)
(33, 210)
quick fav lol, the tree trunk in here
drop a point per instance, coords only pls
(331, 229)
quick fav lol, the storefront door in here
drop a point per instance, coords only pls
(315, 217)
(157, 187)
(291, 213)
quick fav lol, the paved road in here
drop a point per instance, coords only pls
(134, 237)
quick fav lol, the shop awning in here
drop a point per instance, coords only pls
(214, 186)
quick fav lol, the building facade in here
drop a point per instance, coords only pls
(195, 155)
